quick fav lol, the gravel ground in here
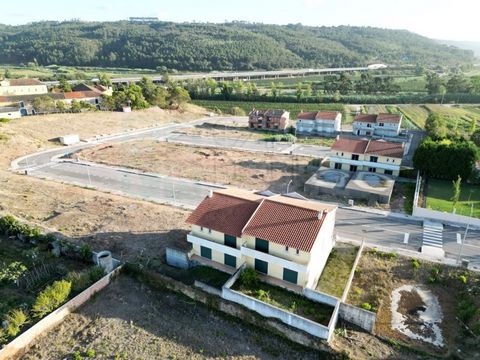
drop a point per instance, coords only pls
(130, 321)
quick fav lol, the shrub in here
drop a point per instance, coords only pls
(466, 310)
(237, 111)
(415, 264)
(96, 273)
(281, 138)
(12, 272)
(366, 306)
(263, 295)
(315, 162)
(80, 280)
(4, 120)
(16, 319)
(85, 253)
(9, 225)
(90, 353)
(77, 355)
(249, 277)
(463, 279)
(51, 298)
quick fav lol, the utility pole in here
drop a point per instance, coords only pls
(288, 185)
(465, 236)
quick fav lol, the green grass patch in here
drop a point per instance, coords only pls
(286, 300)
(439, 194)
(338, 268)
(209, 276)
(293, 108)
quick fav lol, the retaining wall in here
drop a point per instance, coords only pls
(207, 288)
(320, 297)
(270, 311)
(360, 317)
(21, 343)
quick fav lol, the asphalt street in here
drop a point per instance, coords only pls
(374, 228)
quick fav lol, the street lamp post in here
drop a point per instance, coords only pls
(465, 236)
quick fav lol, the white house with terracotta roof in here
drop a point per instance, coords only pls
(287, 238)
(320, 122)
(25, 86)
(387, 125)
(378, 156)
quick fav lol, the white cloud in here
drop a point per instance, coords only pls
(313, 3)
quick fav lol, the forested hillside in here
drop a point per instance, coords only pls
(206, 47)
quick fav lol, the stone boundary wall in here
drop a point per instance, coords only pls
(320, 297)
(207, 288)
(360, 317)
(18, 346)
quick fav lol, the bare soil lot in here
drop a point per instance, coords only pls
(105, 221)
(229, 167)
(130, 321)
(457, 290)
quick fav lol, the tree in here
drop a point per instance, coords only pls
(7, 74)
(178, 96)
(456, 190)
(435, 126)
(337, 96)
(60, 105)
(442, 90)
(238, 86)
(476, 137)
(104, 79)
(433, 83)
(44, 104)
(273, 90)
(148, 88)
(299, 91)
(308, 91)
(75, 106)
(473, 127)
(64, 85)
(226, 89)
(458, 84)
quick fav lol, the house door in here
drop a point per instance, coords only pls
(206, 252)
(290, 276)
(230, 260)
(261, 266)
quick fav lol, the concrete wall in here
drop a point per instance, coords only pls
(10, 115)
(177, 258)
(320, 297)
(207, 288)
(270, 311)
(445, 218)
(21, 343)
(360, 317)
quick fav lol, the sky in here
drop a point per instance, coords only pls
(438, 19)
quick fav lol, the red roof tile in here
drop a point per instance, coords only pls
(389, 118)
(24, 82)
(285, 224)
(307, 115)
(371, 118)
(319, 115)
(81, 94)
(224, 213)
(375, 147)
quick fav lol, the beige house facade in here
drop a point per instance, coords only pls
(19, 87)
(285, 238)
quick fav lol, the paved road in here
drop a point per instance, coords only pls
(375, 228)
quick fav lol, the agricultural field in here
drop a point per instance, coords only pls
(439, 193)
(456, 117)
(454, 292)
(243, 169)
(129, 320)
(415, 113)
(293, 108)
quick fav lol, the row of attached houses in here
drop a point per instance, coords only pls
(21, 87)
(320, 122)
(384, 125)
(377, 156)
(280, 236)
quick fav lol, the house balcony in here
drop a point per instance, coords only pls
(271, 259)
(364, 163)
(214, 245)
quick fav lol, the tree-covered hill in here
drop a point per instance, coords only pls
(206, 47)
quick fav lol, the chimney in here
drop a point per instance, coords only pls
(210, 193)
(319, 215)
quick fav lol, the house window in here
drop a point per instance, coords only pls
(388, 172)
(206, 252)
(298, 252)
(230, 241)
(393, 160)
(286, 248)
(290, 276)
(372, 169)
(353, 168)
(373, 159)
(201, 228)
(261, 245)
(342, 154)
(209, 231)
(338, 166)
(380, 124)
(230, 260)
(369, 125)
(261, 266)
(354, 157)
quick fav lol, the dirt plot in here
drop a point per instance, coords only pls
(457, 291)
(234, 130)
(229, 167)
(125, 226)
(130, 321)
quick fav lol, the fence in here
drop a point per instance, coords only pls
(20, 344)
